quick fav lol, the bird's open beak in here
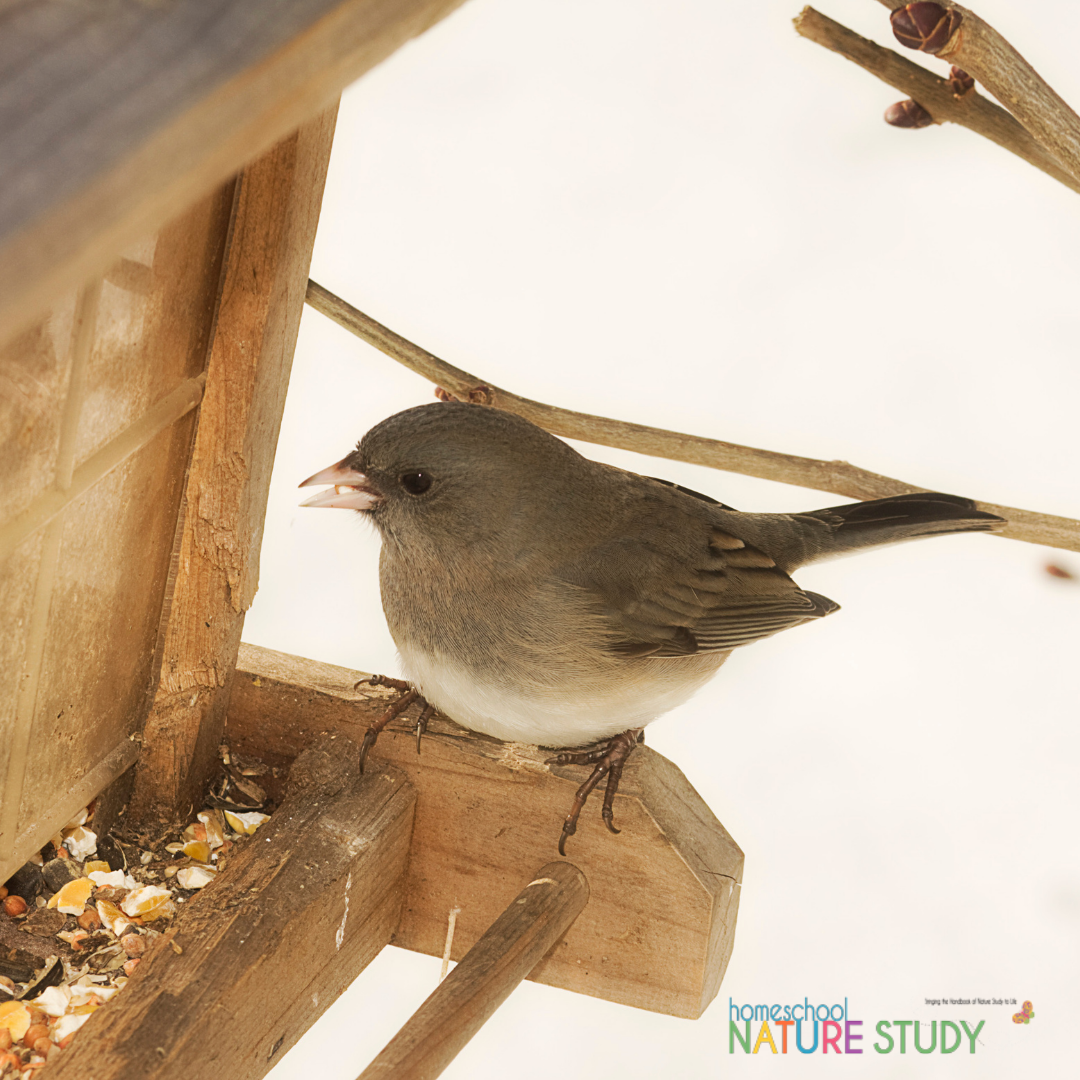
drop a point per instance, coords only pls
(352, 490)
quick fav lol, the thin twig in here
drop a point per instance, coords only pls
(836, 476)
(933, 93)
(982, 52)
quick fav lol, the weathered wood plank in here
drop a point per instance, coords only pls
(276, 213)
(462, 1003)
(116, 116)
(659, 927)
(295, 916)
(96, 422)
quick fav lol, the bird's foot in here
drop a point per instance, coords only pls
(409, 695)
(608, 757)
(476, 395)
(383, 680)
(421, 722)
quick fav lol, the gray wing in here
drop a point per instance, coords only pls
(674, 588)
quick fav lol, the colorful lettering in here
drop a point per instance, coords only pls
(764, 1035)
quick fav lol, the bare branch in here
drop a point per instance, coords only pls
(975, 46)
(933, 93)
(836, 476)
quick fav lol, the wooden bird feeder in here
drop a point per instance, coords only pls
(161, 174)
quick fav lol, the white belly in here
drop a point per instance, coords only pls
(556, 716)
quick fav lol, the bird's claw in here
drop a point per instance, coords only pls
(369, 741)
(568, 829)
(422, 722)
(608, 757)
(396, 709)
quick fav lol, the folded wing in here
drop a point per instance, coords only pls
(700, 588)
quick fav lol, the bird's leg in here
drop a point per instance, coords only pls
(421, 723)
(613, 777)
(408, 696)
(609, 757)
(396, 709)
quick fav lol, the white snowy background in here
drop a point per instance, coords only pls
(680, 213)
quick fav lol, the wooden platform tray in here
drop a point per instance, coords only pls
(658, 930)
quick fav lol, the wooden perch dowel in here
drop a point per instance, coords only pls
(934, 93)
(512, 946)
(836, 476)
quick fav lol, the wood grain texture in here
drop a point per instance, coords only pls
(296, 914)
(35, 368)
(660, 924)
(275, 216)
(115, 115)
(509, 949)
(52, 501)
(96, 421)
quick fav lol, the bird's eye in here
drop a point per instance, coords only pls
(415, 483)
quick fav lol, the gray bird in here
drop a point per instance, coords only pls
(540, 597)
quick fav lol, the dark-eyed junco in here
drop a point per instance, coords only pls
(540, 597)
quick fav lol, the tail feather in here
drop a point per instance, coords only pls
(902, 517)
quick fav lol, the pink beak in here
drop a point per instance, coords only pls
(351, 491)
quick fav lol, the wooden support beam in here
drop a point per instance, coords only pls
(128, 112)
(249, 964)
(660, 923)
(511, 947)
(275, 215)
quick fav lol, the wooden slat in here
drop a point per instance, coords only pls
(276, 213)
(96, 422)
(293, 918)
(53, 501)
(35, 369)
(115, 116)
(510, 948)
(660, 923)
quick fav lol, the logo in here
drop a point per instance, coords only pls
(830, 1028)
(1025, 1015)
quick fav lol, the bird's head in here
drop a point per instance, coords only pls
(456, 470)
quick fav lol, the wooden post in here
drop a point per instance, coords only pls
(249, 964)
(512, 946)
(275, 215)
